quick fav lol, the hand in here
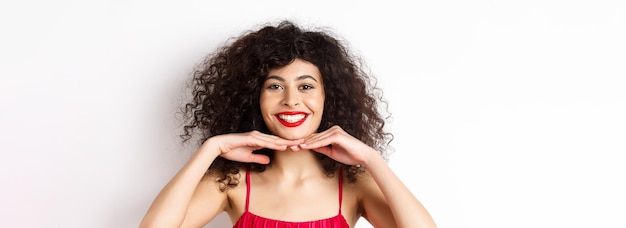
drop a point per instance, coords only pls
(338, 145)
(239, 146)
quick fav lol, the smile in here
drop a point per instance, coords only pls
(291, 119)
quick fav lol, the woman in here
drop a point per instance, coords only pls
(291, 136)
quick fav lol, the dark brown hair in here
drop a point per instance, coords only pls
(226, 88)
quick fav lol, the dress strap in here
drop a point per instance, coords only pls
(247, 189)
(340, 188)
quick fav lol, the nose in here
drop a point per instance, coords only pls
(291, 98)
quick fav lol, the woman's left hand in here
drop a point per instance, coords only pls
(338, 145)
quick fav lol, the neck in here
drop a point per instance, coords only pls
(296, 164)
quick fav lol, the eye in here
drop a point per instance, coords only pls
(274, 87)
(306, 87)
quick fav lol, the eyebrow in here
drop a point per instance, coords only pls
(301, 77)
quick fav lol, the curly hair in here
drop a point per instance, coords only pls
(226, 87)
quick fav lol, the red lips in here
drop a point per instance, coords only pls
(291, 119)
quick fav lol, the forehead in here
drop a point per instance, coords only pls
(295, 70)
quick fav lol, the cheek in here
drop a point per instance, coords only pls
(263, 102)
(317, 103)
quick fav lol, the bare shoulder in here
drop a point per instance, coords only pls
(235, 195)
(228, 192)
(358, 192)
(207, 202)
(372, 203)
(210, 184)
(365, 185)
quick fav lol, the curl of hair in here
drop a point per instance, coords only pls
(226, 87)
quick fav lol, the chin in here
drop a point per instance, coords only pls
(293, 135)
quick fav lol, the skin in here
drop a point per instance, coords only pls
(193, 199)
(296, 87)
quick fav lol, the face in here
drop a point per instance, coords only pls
(292, 100)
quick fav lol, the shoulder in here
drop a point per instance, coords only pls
(212, 190)
(206, 203)
(360, 192)
(365, 186)
(235, 194)
(371, 201)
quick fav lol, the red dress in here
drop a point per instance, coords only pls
(249, 220)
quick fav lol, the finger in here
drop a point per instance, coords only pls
(271, 146)
(278, 140)
(315, 137)
(333, 131)
(259, 158)
(286, 142)
(318, 143)
(274, 143)
(325, 150)
(328, 137)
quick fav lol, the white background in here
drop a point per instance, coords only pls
(506, 113)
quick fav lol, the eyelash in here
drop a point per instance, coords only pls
(276, 86)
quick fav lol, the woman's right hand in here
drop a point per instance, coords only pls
(239, 146)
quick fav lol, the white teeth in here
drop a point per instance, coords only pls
(291, 118)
